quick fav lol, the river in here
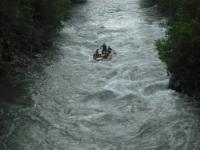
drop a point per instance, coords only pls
(66, 101)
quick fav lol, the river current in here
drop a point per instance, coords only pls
(66, 101)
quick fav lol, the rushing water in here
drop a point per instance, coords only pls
(66, 101)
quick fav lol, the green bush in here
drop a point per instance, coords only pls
(28, 25)
(180, 49)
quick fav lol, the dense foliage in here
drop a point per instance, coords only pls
(26, 26)
(180, 49)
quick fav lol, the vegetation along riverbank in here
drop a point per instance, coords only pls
(27, 28)
(180, 49)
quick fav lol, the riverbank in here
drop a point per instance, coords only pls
(180, 48)
(27, 29)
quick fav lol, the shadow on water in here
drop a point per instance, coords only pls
(16, 90)
(147, 3)
(151, 11)
(13, 92)
(16, 100)
(14, 96)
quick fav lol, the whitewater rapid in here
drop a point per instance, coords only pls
(66, 101)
